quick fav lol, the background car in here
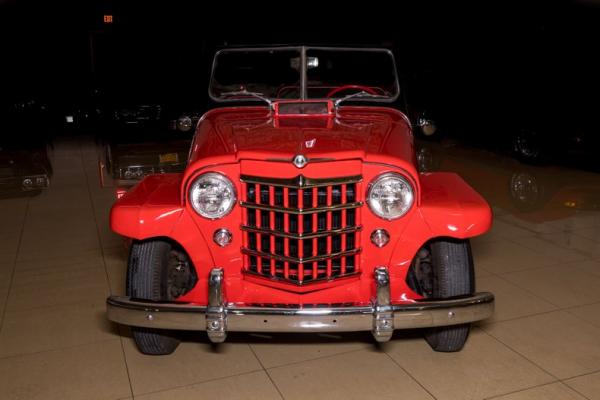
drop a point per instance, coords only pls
(127, 162)
(25, 168)
(531, 193)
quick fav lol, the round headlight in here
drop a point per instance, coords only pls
(212, 195)
(184, 123)
(390, 196)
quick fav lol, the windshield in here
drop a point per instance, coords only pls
(304, 73)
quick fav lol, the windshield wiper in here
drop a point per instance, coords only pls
(244, 92)
(361, 94)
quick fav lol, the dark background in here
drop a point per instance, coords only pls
(498, 65)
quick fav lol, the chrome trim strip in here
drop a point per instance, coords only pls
(303, 211)
(304, 260)
(310, 160)
(300, 181)
(310, 235)
(420, 314)
(290, 282)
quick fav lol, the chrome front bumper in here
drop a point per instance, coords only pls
(381, 318)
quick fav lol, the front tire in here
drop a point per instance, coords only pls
(147, 279)
(453, 275)
(444, 269)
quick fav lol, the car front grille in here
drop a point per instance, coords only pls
(301, 230)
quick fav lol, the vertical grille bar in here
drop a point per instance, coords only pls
(272, 227)
(300, 231)
(329, 220)
(245, 234)
(315, 226)
(357, 217)
(343, 225)
(286, 229)
(258, 225)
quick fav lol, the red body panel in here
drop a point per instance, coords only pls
(363, 141)
(366, 133)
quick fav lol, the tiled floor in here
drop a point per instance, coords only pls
(59, 260)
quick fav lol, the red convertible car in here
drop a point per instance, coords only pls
(301, 209)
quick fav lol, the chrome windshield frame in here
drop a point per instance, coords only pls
(302, 50)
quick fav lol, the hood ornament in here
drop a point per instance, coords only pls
(300, 161)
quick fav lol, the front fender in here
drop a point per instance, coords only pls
(150, 209)
(449, 208)
(153, 209)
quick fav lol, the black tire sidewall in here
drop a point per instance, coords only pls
(147, 270)
(453, 275)
(147, 280)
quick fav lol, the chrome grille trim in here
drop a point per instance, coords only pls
(304, 260)
(301, 182)
(301, 230)
(301, 235)
(304, 211)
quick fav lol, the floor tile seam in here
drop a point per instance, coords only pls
(200, 382)
(57, 349)
(525, 389)
(421, 385)
(551, 244)
(266, 371)
(102, 253)
(12, 273)
(554, 377)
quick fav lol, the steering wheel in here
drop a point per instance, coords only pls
(336, 90)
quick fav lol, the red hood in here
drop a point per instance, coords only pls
(366, 133)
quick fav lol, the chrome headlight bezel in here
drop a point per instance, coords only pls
(230, 195)
(408, 195)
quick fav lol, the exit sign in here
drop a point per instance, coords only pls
(108, 19)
